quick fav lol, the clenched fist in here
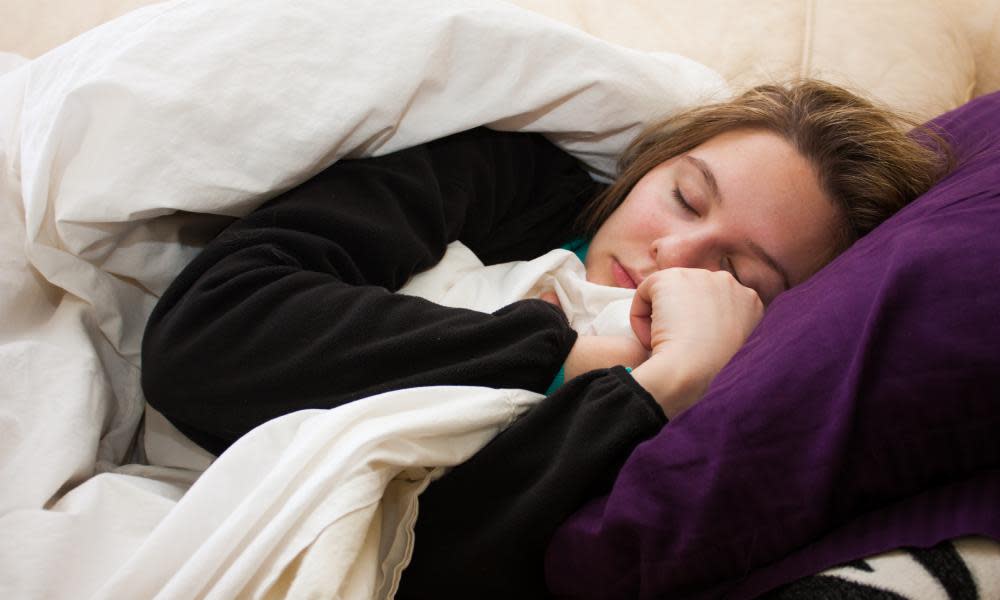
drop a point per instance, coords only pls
(692, 321)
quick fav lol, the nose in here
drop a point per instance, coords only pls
(692, 249)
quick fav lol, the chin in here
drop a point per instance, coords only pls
(601, 279)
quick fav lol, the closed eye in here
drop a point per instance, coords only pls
(679, 197)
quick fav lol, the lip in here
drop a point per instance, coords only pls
(622, 277)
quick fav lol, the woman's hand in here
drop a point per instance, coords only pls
(693, 321)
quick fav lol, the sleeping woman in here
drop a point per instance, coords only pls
(715, 213)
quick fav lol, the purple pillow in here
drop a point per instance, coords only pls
(861, 416)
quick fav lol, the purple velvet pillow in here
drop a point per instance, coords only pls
(861, 416)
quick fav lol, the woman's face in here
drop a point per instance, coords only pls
(744, 201)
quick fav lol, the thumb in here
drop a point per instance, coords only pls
(640, 318)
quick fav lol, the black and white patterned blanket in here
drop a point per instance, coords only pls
(962, 569)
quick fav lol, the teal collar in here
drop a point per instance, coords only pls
(579, 247)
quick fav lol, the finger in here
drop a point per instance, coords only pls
(642, 327)
(640, 319)
(551, 298)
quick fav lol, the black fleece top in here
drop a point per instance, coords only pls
(293, 307)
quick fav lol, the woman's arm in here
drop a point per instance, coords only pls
(293, 306)
(483, 529)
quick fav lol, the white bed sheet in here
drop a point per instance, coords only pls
(117, 149)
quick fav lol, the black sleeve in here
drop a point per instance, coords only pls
(292, 307)
(482, 529)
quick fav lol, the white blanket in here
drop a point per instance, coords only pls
(116, 149)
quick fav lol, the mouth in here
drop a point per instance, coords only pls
(622, 277)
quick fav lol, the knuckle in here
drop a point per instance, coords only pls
(724, 277)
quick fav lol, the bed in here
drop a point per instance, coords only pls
(125, 147)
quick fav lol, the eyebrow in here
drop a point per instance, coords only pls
(713, 187)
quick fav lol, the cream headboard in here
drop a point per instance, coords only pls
(922, 56)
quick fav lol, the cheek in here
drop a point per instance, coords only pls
(643, 215)
(641, 218)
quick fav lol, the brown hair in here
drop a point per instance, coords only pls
(863, 157)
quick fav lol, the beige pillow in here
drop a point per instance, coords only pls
(32, 27)
(915, 55)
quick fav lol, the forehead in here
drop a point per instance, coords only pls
(758, 161)
(769, 194)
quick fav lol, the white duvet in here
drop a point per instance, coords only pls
(115, 151)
